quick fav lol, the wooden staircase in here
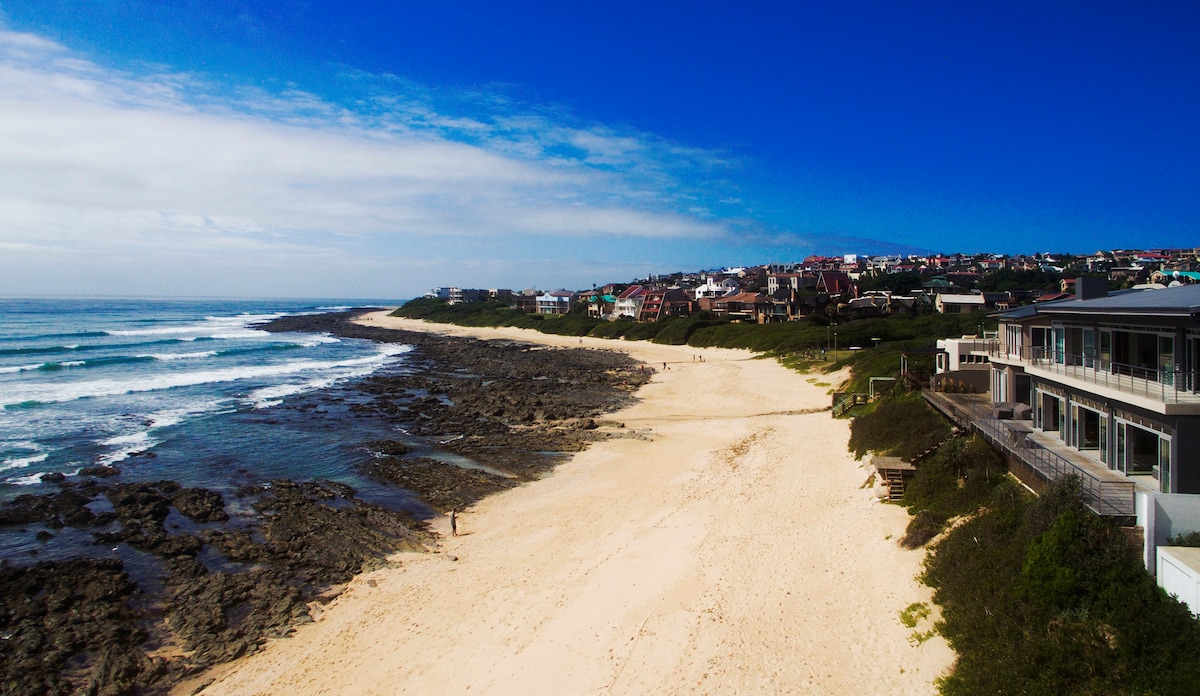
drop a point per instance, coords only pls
(894, 480)
(893, 472)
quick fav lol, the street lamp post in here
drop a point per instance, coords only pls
(835, 346)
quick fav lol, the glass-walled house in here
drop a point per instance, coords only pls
(1112, 376)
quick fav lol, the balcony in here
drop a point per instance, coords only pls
(1105, 492)
(1163, 390)
(986, 346)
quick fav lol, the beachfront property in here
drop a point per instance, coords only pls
(670, 302)
(556, 302)
(1105, 386)
(967, 358)
(600, 305)
(714, 288)
(1113, 377)
(743, 307)
(629, 302)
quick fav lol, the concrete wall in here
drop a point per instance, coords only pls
(1179, 575)
(1163, 516)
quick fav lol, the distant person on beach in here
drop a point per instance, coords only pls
(454, 523)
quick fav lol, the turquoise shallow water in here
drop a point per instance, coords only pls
(184, 390)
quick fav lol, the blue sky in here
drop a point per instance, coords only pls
(376, 149)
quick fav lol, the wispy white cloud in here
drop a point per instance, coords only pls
(161, 167)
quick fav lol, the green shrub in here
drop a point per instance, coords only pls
(1189, 539)
(612, 329)
(1039, 596)
(923, 526)
(904, 426)
(957, 479)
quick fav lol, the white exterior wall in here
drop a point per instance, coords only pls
(1178, 572)
(957, 352)
(1164, 515)
(630, 306)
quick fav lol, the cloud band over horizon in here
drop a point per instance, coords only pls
(157, 182)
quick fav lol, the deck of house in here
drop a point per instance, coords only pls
(1047, 458)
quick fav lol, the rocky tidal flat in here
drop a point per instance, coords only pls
(472, 418)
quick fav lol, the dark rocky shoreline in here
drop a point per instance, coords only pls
(478, 417)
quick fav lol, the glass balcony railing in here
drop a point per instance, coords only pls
(1167, 384)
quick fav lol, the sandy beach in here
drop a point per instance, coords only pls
(722, 543)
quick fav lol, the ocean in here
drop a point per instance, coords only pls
(185, 390)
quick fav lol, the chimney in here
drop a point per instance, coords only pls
(1089, 288)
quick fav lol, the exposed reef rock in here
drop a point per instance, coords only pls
(217, 580)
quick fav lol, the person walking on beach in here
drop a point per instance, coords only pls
(453, 522)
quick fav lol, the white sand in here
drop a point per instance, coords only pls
(731, 550)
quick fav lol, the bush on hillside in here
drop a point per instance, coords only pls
(1039, 596)
(904, 427)
(923, 526)
(957, 479)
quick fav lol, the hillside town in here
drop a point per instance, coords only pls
(853, 286)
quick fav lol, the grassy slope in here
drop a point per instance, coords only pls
(1038, 596)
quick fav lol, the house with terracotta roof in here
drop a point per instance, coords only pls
(629, 302)
(671, 302)
(742, 307)
(833, 283)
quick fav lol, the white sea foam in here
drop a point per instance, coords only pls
(235, 327)
(19, 368)
(57, 393)
(126, 445)
(174, 416)
(72, 363)
(273, 396)
(165, 331)
(22, 462)
(30, 480)
(234, 334)
(129, 439)
(165, 357)
(318, 340)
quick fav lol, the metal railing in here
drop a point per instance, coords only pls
(849, 402)
(1170, 385)
(1114, 498)
(979, 345)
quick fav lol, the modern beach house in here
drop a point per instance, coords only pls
(1113, 377)
(1111, 383)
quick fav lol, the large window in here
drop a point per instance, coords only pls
(1166, 359)
(1143, 355)
(1051, 414)
(1144, 452)
(1085, 433)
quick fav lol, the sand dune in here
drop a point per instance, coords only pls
(725, 545)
